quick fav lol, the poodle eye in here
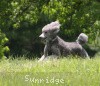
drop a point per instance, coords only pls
(45, 32)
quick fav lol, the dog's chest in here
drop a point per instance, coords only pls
(53, 48)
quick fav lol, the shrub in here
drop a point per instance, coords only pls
(3, 48)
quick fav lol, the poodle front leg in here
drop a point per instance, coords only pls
(45, 53)
(42, 58)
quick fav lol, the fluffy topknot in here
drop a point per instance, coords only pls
(52, 26)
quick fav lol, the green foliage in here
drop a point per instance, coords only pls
(23, 20)
(3, 48)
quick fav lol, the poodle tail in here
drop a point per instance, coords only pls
(82, 39)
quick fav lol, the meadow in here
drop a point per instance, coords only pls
(57, 72)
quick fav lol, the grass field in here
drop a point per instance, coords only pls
(61, 72)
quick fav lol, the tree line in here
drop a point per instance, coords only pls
(21, 22)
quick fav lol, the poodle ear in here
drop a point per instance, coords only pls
(56, 31)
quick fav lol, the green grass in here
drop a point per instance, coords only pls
(61, 72)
